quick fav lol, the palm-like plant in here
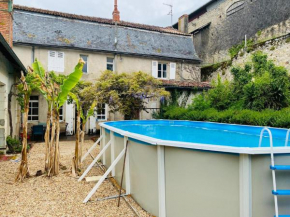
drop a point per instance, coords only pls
(27, 84)
(84, 99)
(55, 89)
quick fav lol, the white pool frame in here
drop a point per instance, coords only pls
(244, 164)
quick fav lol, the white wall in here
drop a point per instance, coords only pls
(7, 78)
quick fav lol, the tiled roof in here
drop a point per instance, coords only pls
(169, 29)
(186, 84)
(53, 29)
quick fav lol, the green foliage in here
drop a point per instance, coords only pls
(234, 50)
(70, 83)
(269, 87)
(258, 95)
(267, 117)
(14, 145)
(219, 97)
(288, 40)
(84, 98)
(259, 33)
(128, 93)
(257, 86)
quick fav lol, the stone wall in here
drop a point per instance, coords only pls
(277, 49)
(228, 26)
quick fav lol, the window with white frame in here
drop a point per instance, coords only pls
(56, 61)
(110, 64)
(61, 113)
(33, 108)
(102, 112)
(162, 70)
(85, 59)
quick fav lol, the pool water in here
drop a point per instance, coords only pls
(203, 132)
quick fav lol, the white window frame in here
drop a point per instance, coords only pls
(109, 63)
(162, 70)
(103, 116)
(83, 55)
(54, 62)
(30, 107)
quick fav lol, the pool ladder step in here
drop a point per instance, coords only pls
(281, 193)
(275, 168)
(280, 167)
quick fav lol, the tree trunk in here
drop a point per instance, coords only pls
(76, 161)
(52, 146)
(47, 138)
(56, 154)
(82, 144)
(23, 168)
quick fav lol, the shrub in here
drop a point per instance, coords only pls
(266, 117)
(14, 145)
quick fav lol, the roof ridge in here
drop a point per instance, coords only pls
(101, 20)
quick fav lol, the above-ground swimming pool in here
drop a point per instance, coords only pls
(202, 169)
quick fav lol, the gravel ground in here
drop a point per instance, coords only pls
(57, 196)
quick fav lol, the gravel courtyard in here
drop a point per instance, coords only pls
(57, 196)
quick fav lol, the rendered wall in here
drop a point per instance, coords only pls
(97, 62)
(7, 78)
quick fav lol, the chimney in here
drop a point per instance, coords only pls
(6, 21)
(183, 23)
(116, 13)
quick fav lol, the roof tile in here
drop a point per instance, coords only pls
(169, 30)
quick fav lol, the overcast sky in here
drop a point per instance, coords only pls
(151, 12)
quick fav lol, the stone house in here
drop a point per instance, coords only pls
(10, 71)
(220, 24)
(59, 39)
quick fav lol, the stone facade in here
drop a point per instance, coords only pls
(277, 49)
(223, 23)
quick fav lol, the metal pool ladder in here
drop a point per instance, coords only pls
(274, 168)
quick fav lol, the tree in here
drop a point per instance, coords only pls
(27, 84)
(128, 93)
(55, 89)
(85, 100)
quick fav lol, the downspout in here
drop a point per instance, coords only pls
(33, 54)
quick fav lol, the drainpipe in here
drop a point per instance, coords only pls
(33, 54)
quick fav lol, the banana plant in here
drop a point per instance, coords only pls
(83, 113)
(55, 89)
(27, 84)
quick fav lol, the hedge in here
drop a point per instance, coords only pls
(271, 118)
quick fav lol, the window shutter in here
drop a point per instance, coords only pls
(60, 61)
(51, 60)
(154, 69)
(172, 70)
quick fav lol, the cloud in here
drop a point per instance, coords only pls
(152, 12)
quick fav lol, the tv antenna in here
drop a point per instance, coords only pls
(171, 11)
